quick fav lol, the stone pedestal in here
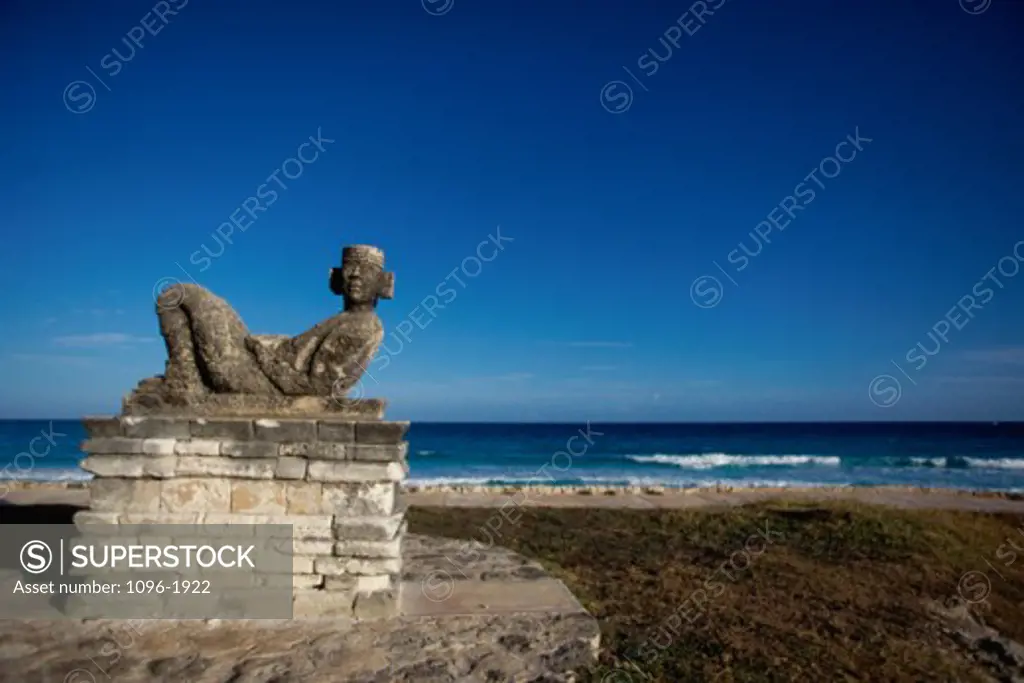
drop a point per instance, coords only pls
(335, 481)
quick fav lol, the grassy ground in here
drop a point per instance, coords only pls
(821, 593)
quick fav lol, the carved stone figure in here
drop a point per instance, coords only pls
(211, 354)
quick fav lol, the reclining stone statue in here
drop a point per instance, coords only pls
(211, 354)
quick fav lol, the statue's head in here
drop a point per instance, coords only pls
(361, 280)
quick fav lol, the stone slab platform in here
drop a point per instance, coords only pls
(499, 617)
(139, 403)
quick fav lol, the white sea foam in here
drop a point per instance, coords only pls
(44, 474)
(619, 481)
(707, 461)
(929, 462)
(997, 463)
(959, 462)
(462, 481)
(511, 480)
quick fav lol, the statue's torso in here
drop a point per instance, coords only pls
(328, 359)
(345, 352)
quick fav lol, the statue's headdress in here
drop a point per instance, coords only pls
(364, 253)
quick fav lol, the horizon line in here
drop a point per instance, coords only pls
(570, 422)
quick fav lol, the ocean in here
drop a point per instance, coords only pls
(977, 456)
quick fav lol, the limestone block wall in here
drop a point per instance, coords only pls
(336, 482)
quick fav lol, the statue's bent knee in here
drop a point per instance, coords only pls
(180, 295)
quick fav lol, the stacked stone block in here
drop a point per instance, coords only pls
(336, 483)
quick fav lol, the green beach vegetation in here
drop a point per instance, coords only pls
(779, 591)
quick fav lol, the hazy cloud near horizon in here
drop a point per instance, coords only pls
(100, 339)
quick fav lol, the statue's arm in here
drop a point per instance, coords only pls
(277, 369)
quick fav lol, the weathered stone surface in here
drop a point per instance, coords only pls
(374, 453)
(102, 427)
(339, 566)
(304, 498)
(112, 445)
(290, 468)
(195, 495)
(384, 433)
(155, 428)
(359, 500)
(159, 446)
(239, 468)
(537, 642)
(329, 451)
(198, 447)
(338, 432)
(376, 605)
(320, 470)
(249, 449)
(317, 527)
(369, 528)
(285, 430)
(162, 517)
(232, 521)
(313, 547)
(116, 495)
(306, 581)
(320, 603)
(159, 467)
(355, 584)
(201, 330)
(258, 497)
(369, 549)
(148, 399)
(237, 430)
(95, 517)
(380, 582)
(344, 582)
(426, 558)
(300, 450)
(303, 527)
(303, 564)
(212, 353)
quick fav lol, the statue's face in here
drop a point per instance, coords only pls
(360, 281)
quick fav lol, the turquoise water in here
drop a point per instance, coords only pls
(955, 455)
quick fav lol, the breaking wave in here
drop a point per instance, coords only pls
(707, 461)
(615, 481)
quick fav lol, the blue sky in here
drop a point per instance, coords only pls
(440, 122)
